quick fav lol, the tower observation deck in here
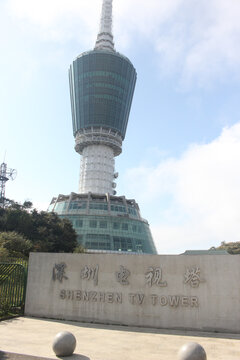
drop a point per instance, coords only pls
(102, 83)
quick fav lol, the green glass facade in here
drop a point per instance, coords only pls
(106, 222)
(101, 89)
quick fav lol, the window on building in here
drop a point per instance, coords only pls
(124, 226)
(121, 243)
(98, 241)
(78, 223)
(98, 206)
(132, 211)
(93, 223)
(139, 246)
(99, 237)
(116, 226)
(103, 224)
(98, 245)
(74, 205)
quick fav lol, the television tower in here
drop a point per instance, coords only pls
(102, 83)
(5, 175)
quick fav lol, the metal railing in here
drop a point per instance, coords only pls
(13, 280)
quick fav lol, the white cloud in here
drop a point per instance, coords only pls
(47, 13)
(199, 41)
(58, 20)
(193, 201)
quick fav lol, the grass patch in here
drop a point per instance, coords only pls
(7, 311)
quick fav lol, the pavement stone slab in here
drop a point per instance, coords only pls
(34, 337)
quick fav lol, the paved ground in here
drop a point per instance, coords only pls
(5, 355)
(34, 337)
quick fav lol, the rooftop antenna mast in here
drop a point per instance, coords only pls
(5, 175)
(105, 37)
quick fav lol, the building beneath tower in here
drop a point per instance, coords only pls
(102, 83)
(106, 222)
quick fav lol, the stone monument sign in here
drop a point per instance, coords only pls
(162, 291)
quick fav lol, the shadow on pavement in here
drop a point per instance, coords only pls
(4, 355)
(179, 332)
(74, 357)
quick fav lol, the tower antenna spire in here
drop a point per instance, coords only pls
(105, 37)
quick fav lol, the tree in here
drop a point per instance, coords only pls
(231, 247)
(52, 233)
(47, 232)
(13, 244)
(79, 249)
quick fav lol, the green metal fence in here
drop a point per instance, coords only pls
(13, 280)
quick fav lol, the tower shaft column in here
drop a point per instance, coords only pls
(97, 170)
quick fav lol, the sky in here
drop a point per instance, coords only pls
(181, 154)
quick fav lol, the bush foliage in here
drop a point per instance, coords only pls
(231, 247)
(23, 229)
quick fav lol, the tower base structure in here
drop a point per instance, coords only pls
(105, 222)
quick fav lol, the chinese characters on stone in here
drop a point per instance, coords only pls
(122, 275)
(59, 272)
(154, 277)
(192, 277)
(89, 273)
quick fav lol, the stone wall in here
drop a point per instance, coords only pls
(162, 291)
